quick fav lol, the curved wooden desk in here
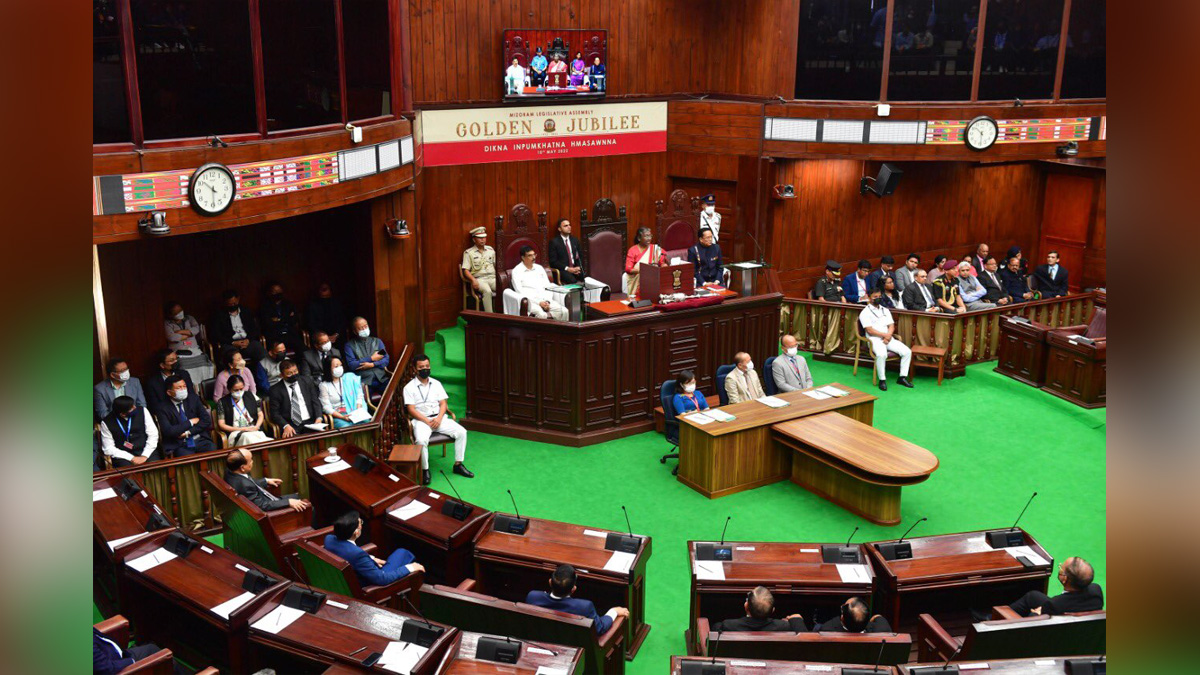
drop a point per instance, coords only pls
(853, 465)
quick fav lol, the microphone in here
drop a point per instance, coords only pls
(910, 529)
(898, 550)
(864, 671)
(457, 510)
(1010, 536)
(630, 527)
(851, 536)
(620, 542)
(127, 488)
(1022, 514)
(723, 529)
(757, 248)
(307, 599)
(503, 523)
(879, 656)
(841, 554)
(946, 665)
(716, 551)
(715, 645)
(422, 636)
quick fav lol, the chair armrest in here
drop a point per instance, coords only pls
(116, 629)
(369, 548)
(1004, 613)
(208, 671)
(702, 631)
(466, 585)
(614, 632)
(405, 584)
(1079, 329)
(934, 643)
(158, 663)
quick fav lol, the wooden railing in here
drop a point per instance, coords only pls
(969, 338)
(176, 485)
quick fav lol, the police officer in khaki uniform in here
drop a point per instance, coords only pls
(479, 263)
(829, 289)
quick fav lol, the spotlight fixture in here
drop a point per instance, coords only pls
(154, 223)
(1068, 149)
(785, 192)
(396, 228)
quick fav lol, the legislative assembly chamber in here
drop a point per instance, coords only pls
(563, 336)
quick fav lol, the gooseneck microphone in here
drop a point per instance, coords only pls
(627, 525)
(450, 484)
(910, 529)
(723, 529)
(879, 656)
(457, 510)
(1011, 536)
(514, 502)
(851, 536)
(898, 550)
(1022, 514)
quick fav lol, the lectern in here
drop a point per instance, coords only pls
(659, 280)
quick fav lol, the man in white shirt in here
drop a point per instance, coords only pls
(709, 217)
(425, 400)
(530, 281)
(128, 434)
(877, 321)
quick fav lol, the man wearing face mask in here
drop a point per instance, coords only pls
(425, 399)
(238, 329)
(128, 434)
(314, 360)
(709, 218)
(295, 402)
(367, 356)
(266, 371)
(326, 313)
(877, 321)
(156, 385)
(829, 289)
(119, 383)
(279, 320)
(185, 422)
(742, 384)
(790, 370)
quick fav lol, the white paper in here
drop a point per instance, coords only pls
(409, 510)
(112, 545)
(1045, 662)
(546, 670)
(773, 402)
(152, 559)
(854, 574)
(277, 619)
(335, 603)
(700, 418)
(394, 478)
(434, 495)
(719, 415)
(745, 548)
(241, 567)
(1026, 551)
(327, 469)
(810, 550)
(817, 394)
(709, 570)
(543, 652)
(359, 415)
(400, 657)
(745, 265)
(973, 666)
(749, 664)
(206, 550)
(106, 493)
(833, 391)
(226, 608)
(620, 562)
(595, 533)
(824, 669)
(316, 426)
(145, 495)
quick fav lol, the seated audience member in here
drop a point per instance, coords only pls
(742, 383)
(279, 320)
(855, 618)
(425, 399)
(886, 266)
(128, 434)
(970, 291)
(266, 371)
(183, 333)
(904, 276)
(479, 267)
(530, 281)
(562, 585)
(686, 398)
(565, 255)
(326, 314)
(341, 394)
(371, 571)
(577, 70)
(110, 658)
(312, 364)
(877, 321)
(790, 370)
(237, 329)
(889, 295)
(706, 256)
(238, 464)
(1079, 593)
(186, 424)
(759, 606)
(234, 365)
(1015, 283)
(119, 383)
(514, 77)
(1051, 278)
(992, 283)
(937, 270)
(537, 69)
(596, 75)
(557, 65)
(643, 251)
(155, 385)
(1015, 252)
(366, 356)
(828, 288)
(945, 290)
(979, 260)
(854, 287)
(923, 41)
(917, 297)
(240, 415)
(295, 402)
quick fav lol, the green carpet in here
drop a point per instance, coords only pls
(997, 440)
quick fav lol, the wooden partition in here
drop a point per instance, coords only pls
(176, 484)
(971, 337)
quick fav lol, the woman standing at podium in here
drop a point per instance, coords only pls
(644, 251)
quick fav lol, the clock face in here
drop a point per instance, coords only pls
(981, 133)
(211, 189)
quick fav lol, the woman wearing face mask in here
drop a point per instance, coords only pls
(687, 399)
(234, 365)
(183, 337)
(241, 415)
(341, 393)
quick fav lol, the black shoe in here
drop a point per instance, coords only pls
(426, 479)
(903, 382)
(883, 385)
(463, 471)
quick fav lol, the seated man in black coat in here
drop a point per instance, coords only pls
(1051, 278)
(1079, 593)
(154, 386)
(565, 255)
(760, 604)
(238, 464)
(295, 402)
(855, 618)
(185, 421)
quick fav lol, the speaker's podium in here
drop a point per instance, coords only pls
(556, 80)
(656, 280)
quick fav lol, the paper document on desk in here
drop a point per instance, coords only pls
(106, 493)
(620, 562)
(833, 391)
(226, 608)
(854, 574)
(745, 265)
(709, 570)
(1026, 551)
(817, 394)
(359, 415)
(699, 418)
(326, 469)
(409, 510)
(719, 415)
(277, 619)
(317, 426)
(773, 402)
(401, 657)
(152, 559)
(547, 670)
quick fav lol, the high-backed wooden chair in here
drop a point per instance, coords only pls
(1009, 636)
(331, 573)
(470, 611)
(161, 662)
(603, 240)
(815, 647)
(676, 227)
(521, 232)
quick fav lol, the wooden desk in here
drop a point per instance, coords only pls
(951, 573)
(1022, 351)
(117, 525)
(795, 573)
(313, 642)
(610, 308)
(349, 489)
(460, 659)
(1075, 371)
(854, 465)
(1049, 665)
(721, 458)
(508, 566)
(761, 667)
(442, 543)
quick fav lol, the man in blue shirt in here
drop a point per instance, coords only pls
(537, 72)
(562, 585)
(371, 571)
(854, 287)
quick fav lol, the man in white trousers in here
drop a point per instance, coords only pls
(877, 321)
(425, 400)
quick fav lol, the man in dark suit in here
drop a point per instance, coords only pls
(295, 401)
(854, 287)
(237, 328)
(313, 364)
(1079, 593)
(917, 296)
(989, 278)
(759, 606)
(855, 618)
(886, 264)
(565, 256)
(371, 571)
(110, 658)
(562, 585)
(279, 320)
(1051, 278)
(155, 386)
(185, 421)
(238, 464)
(1014, 281)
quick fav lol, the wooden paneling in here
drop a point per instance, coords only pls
(724, 127)
(1073, 223)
